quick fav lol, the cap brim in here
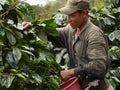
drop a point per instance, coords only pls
(67, 10)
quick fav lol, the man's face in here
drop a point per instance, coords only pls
(76, 19)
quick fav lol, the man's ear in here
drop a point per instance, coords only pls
(85, 13)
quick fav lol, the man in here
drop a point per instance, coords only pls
(87, 47)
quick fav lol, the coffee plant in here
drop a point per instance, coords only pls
(26, 61)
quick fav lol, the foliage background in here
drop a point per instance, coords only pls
(28, 61)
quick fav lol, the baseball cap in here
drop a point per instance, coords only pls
(75, 5)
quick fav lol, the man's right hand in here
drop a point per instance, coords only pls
(66, 74)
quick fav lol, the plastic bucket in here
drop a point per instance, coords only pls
(71, 84)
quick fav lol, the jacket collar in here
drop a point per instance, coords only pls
(85, 27)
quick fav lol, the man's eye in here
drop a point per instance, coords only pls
(72, 16)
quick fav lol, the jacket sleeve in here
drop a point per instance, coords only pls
(97, 56)
(61, 39)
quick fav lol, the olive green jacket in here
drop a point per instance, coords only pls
(88, 54)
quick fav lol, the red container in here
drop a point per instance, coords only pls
(71, 84)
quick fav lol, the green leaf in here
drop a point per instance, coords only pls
(116, 79)
(9, 81)
(115, 1)
(18, 34)
(19, 13)
(25, 57)
(2, 31)
(60, 55)
(28, 52)
(9, 58)
(2, 81)
(112, 36)
(0, 53)
(42, 35)
(117, 34)
(37, 78)
(51, 27)
(26, 11)
(2, 2)
(51, 31)
(54, 83)
(20, 75)
(107, 21)
(16, 55)
(60, 19)
(11, 38)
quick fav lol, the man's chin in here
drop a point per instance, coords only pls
(73, 27)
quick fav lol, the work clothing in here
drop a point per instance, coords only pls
(88, 54)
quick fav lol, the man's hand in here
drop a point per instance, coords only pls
(26, 25)
(66, 74)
